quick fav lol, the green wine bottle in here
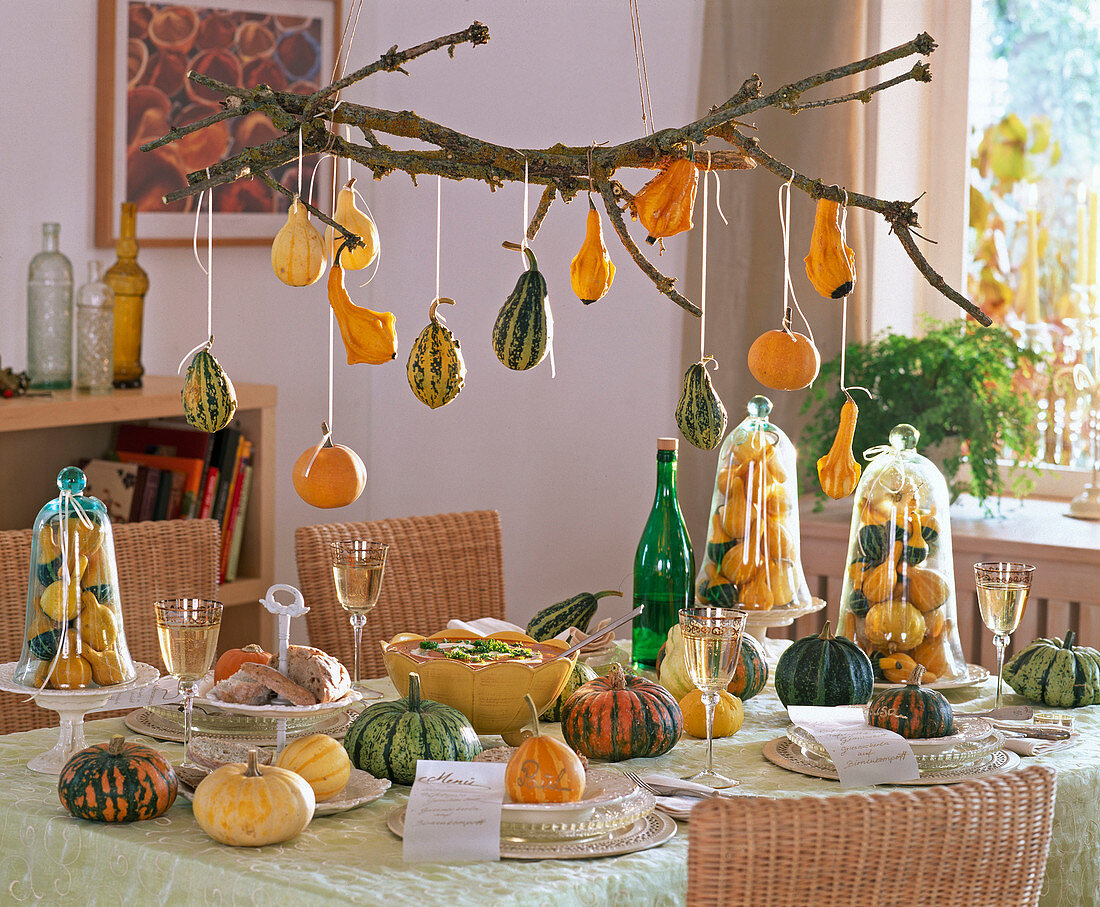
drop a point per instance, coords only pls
(664, 564)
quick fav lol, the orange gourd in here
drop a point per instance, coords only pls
(321, 760)
(348, 215)
(298, 252)
(543, 769)
(329, 475)
(592, 270)
(664, 204)
(831, 264)
(368, 336)
(837, 471)
(784, 360)
(230, 661)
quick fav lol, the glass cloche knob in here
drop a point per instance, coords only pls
(72, 479)
(759, 407)
(904, 437)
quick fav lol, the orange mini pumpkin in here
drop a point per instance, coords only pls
(230, 661)
(784, 360)
(543, 769)
(329, 475)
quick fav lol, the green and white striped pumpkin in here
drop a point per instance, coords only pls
(1056, 672)
(388, 738)
(524, 328)
(209, 400)
(700, 413)
(436, 370)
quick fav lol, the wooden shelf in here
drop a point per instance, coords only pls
(39, 435)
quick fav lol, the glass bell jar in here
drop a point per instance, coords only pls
(752, 552)
(73, 637)
(898, 601)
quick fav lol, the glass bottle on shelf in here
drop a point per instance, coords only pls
(50, 315)
(129, 282)
(664, 563)
(95, 333)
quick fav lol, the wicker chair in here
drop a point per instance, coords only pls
(982, 842)
(165, 559)
(439, 567)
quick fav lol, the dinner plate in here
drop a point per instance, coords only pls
(601, 788)
(969, 730)
(650, 830)
(975, 674)
(362, 788)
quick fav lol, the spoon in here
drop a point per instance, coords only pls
(576, 647)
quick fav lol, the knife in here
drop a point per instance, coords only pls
(576, 647)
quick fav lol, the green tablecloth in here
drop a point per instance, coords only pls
(351, 857)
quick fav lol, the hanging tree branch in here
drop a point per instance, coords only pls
(314, 121)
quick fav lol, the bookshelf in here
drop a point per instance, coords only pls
(41, 435)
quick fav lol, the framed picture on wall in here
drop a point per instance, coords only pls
(145, 51)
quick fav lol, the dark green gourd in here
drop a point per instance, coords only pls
(700, 414)
(824, 670)
(576, 611)
(524, 327)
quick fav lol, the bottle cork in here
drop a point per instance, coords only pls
(668, 443)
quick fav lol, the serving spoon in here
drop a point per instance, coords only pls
(576, 647)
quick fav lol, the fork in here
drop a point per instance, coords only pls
(667, 792)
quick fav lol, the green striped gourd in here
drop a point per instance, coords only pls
(1056, 672)
(576, 611)
(117, 782)
(436, 370)
(824, 670)
(388, 738)
(209, 400)
(700, 413)
(524, 328)
(578, 677)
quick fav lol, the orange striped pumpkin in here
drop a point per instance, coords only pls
(117, 782)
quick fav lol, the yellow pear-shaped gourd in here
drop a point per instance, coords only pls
(664, 204)
(368, 336)
(831, 264)
(592, 270)
(298, 252)
(838, 470)
(348, 215)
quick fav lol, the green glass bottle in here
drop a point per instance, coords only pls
(664, 564)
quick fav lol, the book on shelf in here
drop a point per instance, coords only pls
(118, 486)
(190, 469)
(164, 492)
(210, 489)
(234, 517)
(173, 440)
(149, 493)
(227, 456)
(237, 533)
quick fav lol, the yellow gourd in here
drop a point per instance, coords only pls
(107, 667)
(592, 270)
(878, 583)
(895, 626)
(729, 715)
(298, 252)
(831, 264)
(544, 769)
(321, 760)
(348, 215)
(927, 589)
(837, 471)
(897, 668)
(664, 204)
(368, 336)
(97, 623)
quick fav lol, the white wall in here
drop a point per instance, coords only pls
(568, 461)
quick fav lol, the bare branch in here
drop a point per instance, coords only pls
(921, 72)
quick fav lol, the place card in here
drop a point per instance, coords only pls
(863, 755)
(165, 691)
(454, 812)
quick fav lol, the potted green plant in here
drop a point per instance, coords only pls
(960, 384)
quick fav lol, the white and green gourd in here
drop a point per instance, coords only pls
(700, 414)
(524, 328)
(209, 400)
(435, 368)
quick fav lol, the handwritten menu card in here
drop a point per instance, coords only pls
(454, 812)
(863, 755)
(166, 690)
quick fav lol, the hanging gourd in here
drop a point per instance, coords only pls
(368, 336)
(664, 204)
(209, 400)
(524, 328)
(435, 368)
(837, 471)
(348, 216)
(831, 264)
(700, 413)
(543, 769)
(298, 252)
(329, 475)
(592, 270)
(783, 359)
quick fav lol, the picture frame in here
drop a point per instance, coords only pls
(145, 50)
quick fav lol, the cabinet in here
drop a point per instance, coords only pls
(41, 435)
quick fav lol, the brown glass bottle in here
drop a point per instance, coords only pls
(129, 282)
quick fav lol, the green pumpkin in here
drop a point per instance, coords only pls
(578, 677)
(209, 400)
(700, 414)
(117, 782)
(915, 712)
(872, 543)
(524, 328)
(435, 369)
(824, 670)
(388, 738)
(576, 611)
(1056, 672)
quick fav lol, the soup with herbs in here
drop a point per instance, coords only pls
(476, 651)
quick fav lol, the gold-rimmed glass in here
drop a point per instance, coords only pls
(187, 630)
(357, 567)
(1003, 588)
(712, 645)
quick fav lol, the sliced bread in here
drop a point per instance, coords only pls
(317, 671)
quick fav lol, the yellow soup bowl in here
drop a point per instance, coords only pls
(490, 695)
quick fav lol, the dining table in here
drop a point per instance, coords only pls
(352, 857)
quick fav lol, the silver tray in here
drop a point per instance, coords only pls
(166, 723)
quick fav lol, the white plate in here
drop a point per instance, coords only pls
(969, 729)
(362, 787)
(601, 788)
(975, 674)
(272, 711)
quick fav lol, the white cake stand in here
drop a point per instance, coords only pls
(759, 622)
(71, 706)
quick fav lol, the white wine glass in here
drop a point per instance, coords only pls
(357, 566)
(712, 645)
(1002, 588)
(187, 630)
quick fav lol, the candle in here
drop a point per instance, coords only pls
(1083, 256)
(1031, 298)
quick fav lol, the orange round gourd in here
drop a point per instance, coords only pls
(321, 760)
(335, 477)
(543, 769)
(230, 661)
(784, 360)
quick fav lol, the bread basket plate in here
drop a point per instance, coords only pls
(271, 710)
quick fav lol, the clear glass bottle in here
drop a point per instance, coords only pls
(129, 282)
(95, 333)
(50, 315)
(664, 564)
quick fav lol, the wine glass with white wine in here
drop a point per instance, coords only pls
(712, 644)
(187, 630)
(357, 566)
(1003, 588)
